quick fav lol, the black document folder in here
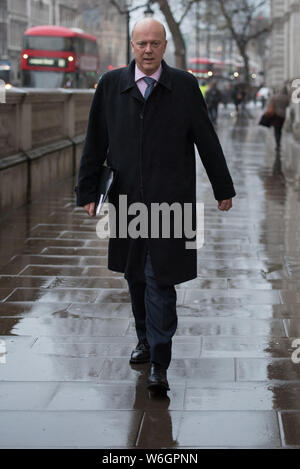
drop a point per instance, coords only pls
(106, 180)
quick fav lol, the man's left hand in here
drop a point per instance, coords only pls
(225, 205)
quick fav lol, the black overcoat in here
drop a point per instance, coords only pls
(150, 144)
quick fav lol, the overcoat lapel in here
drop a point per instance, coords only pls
(128, 84)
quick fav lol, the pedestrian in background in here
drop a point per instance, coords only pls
(226, 95)
(213, 98)
(276, 108)
(145, 120)
(203, 88)
(238, 97)
(254, 95)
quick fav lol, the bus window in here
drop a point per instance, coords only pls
(90, 48)
(78, 45)
(48, 43)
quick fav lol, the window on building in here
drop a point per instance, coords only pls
(3, 10)
(68, 17)
(16, 33)
(18, 6)
(40, 12)
(3, 40)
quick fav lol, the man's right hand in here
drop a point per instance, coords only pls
(90, 209)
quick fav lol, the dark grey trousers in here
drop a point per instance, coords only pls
(154, 310)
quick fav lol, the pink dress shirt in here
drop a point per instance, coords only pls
(142, 85)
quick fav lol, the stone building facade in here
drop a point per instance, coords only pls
(276, 63)
(284, 62)
(284, 68)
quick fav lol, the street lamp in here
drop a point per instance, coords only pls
(127, 11)
(148, 12)
(128, 5)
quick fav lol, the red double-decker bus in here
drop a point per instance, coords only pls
(57, 57)
(203, 67)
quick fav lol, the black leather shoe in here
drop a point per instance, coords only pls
(141, 354)
(157, 381)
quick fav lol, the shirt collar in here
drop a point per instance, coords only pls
(139, 74)
(127, 79)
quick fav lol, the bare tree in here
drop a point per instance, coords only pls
(242, 18)
(175, 27)
(245, 22)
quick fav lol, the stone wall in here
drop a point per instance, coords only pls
(41, 139)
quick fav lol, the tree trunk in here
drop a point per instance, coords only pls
(247, 68)
(243, 52)
(180, 49)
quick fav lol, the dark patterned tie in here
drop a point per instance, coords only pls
(150, 82)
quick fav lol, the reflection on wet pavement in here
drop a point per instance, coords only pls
(67, 328)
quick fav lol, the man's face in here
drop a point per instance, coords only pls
(148, 47)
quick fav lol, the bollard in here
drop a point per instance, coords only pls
(2, 352)
(2, 92)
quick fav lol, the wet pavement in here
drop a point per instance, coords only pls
(67, 330)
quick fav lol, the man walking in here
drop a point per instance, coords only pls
(145, 120)
(213, 98)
